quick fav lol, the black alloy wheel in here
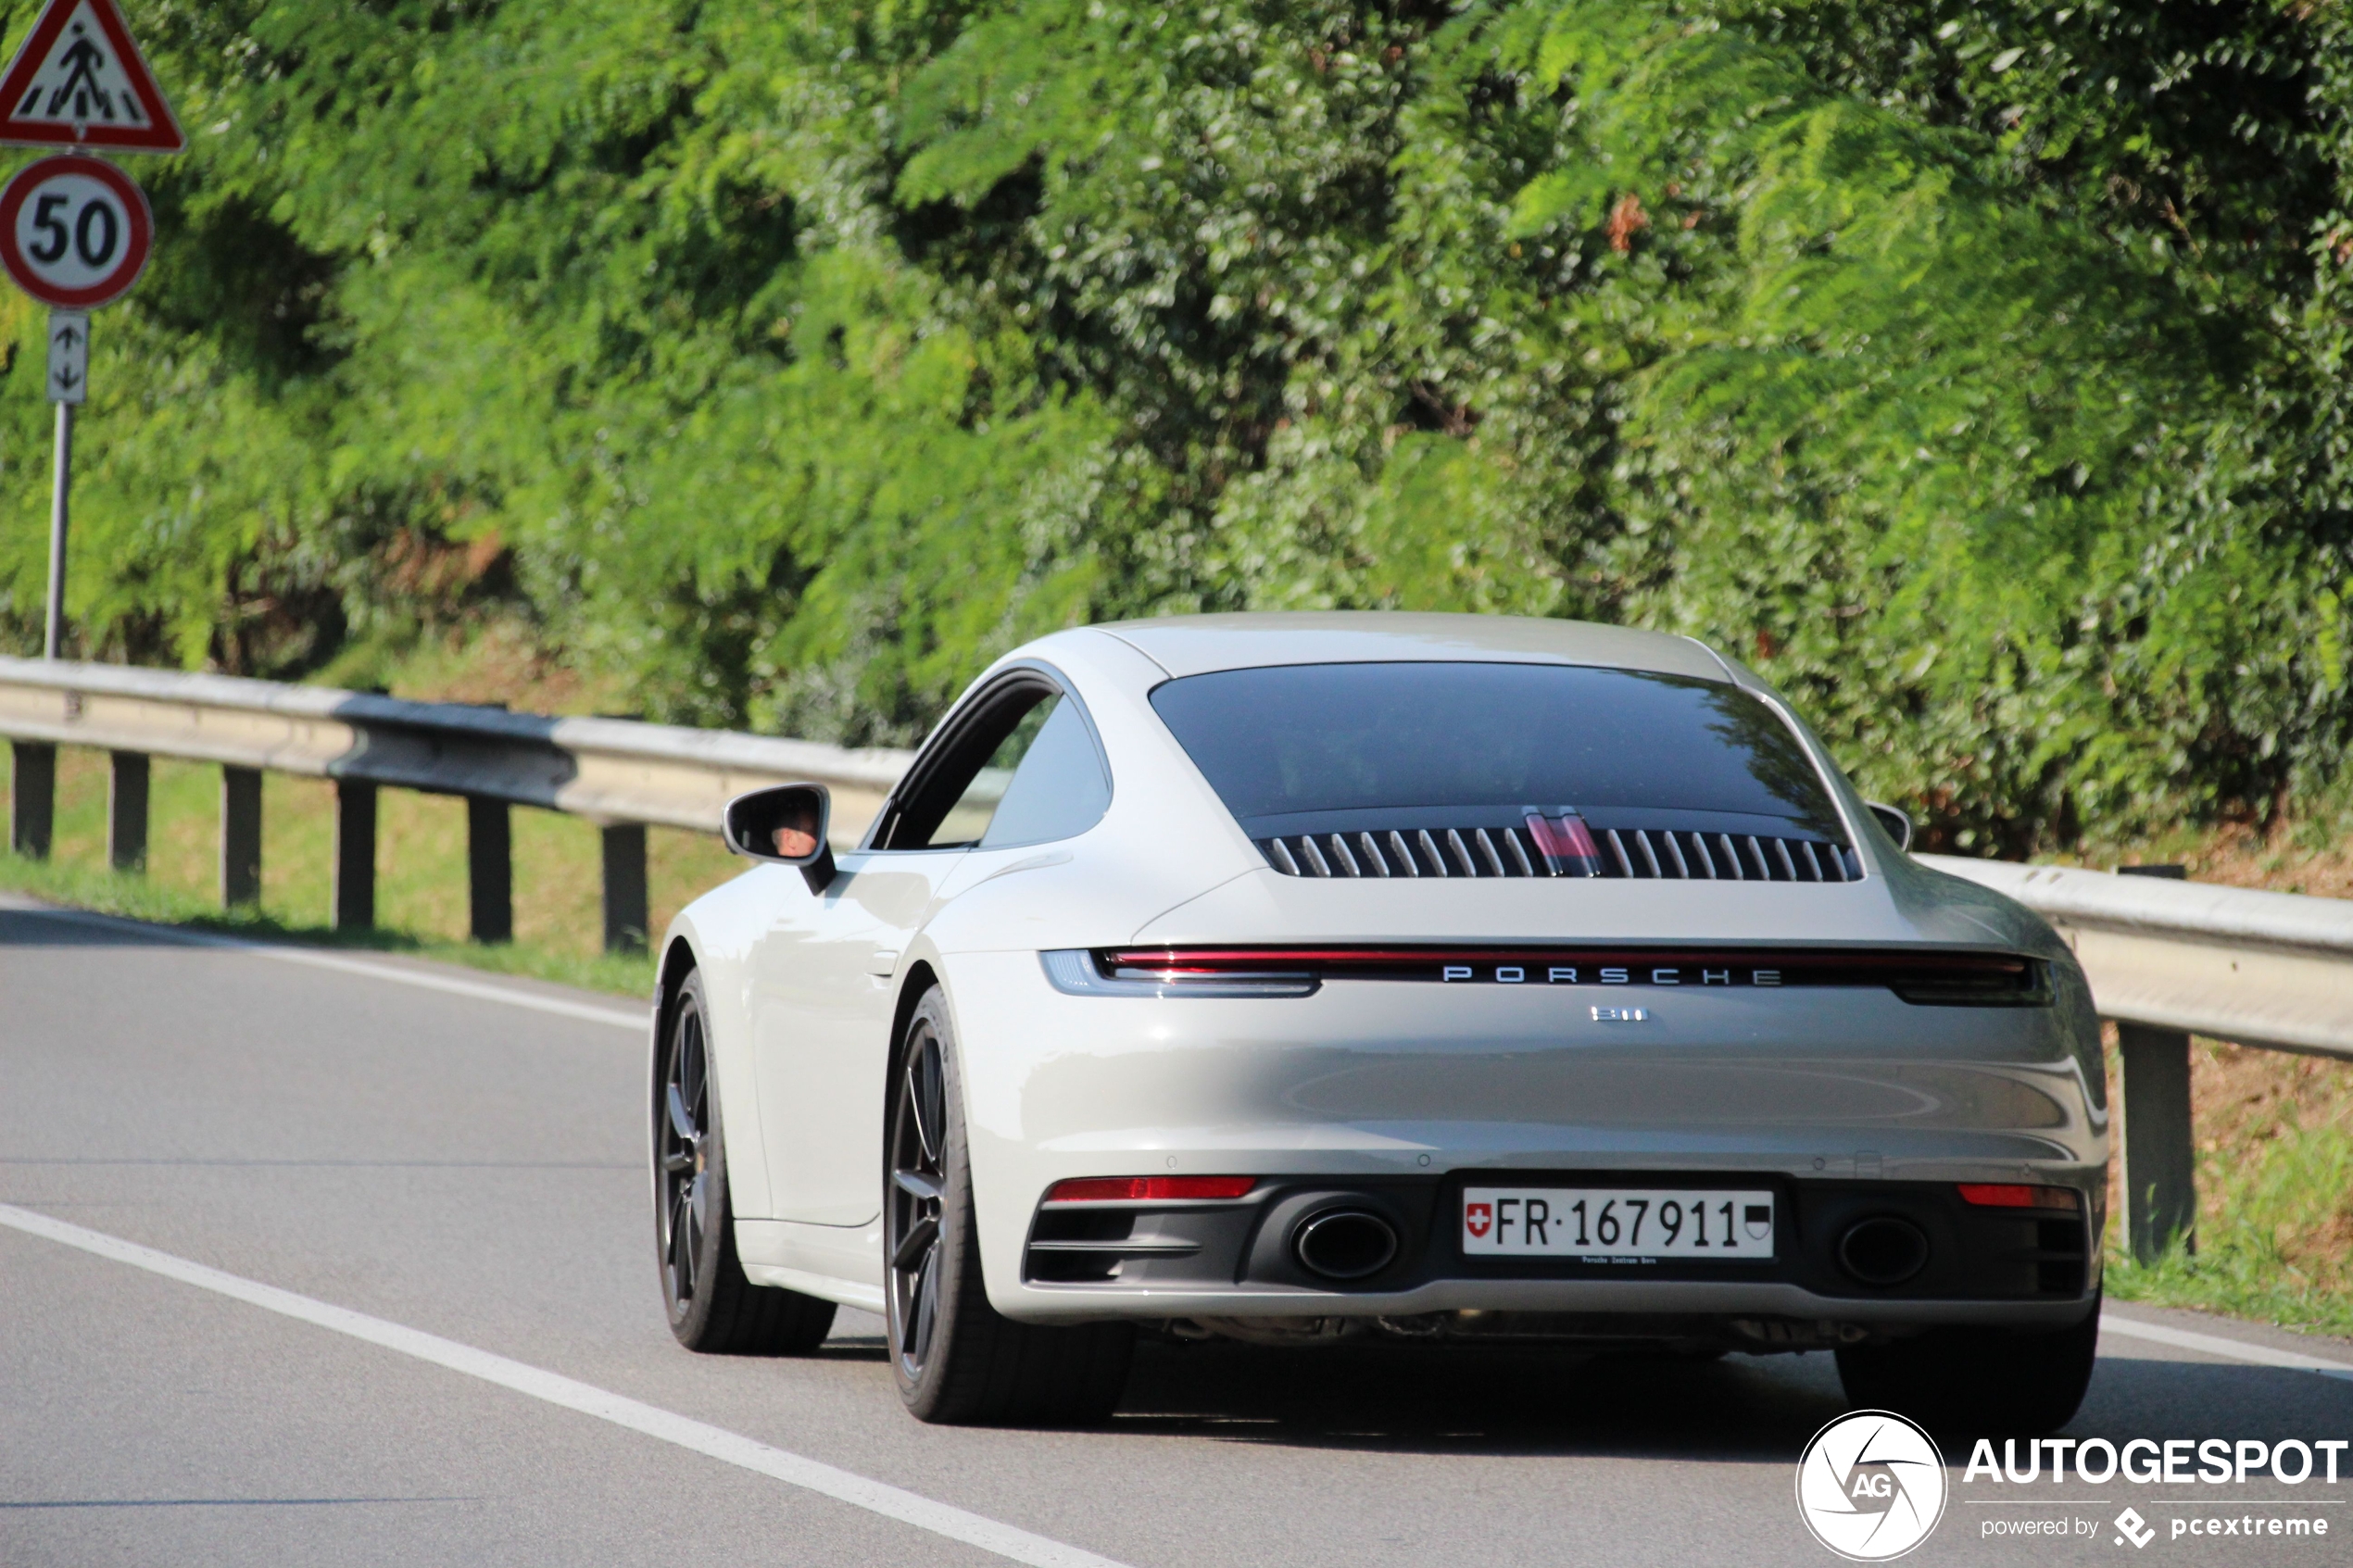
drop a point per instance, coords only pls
(712, 1307)
(683, 1157)
(918, 1191)
(956, 1358)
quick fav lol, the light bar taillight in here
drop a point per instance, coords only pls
(2008, 1194)
(1149, 1189)
(1074, 972)
(1931, 977)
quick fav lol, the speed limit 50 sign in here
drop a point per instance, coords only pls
(74, 231)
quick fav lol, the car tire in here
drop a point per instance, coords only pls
(956, 1358)
(712, 1307)
(1977, 1380)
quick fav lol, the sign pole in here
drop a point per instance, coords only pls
(58, 504)
(69, 384)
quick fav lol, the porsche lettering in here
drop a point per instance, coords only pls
(1607, 975)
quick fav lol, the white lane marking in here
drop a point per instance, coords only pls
(423, 979)
(2215, 1345)
(717, 1443)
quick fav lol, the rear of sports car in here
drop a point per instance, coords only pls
(1556, 1003)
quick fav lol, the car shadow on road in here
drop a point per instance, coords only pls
(1413, 1399)
(1536, 1400)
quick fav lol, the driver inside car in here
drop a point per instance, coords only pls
(797, 839)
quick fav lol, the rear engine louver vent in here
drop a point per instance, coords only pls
(1673, 854)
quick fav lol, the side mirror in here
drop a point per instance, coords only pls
(783, 824)
(1898, 826)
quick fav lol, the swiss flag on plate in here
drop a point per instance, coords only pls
(1478, 1218)
(80, 81)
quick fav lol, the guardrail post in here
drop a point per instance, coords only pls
(32, 798)
(490, 868)
(127, 812)
(240, 836)
(2160, 1156)
(625, 844)
(355, 855)
(2160, 1163)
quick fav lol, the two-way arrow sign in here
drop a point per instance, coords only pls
(69, 356)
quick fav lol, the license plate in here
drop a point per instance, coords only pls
(1616, 1224)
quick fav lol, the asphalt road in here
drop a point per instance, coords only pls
(443, 1188)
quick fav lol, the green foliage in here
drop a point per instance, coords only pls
(1973, 369)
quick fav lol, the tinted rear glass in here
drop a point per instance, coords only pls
(1304, 747)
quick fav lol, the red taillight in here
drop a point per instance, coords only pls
(1147, 1189)
(2003, 1195)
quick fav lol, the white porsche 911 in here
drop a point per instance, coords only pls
(1292, 977)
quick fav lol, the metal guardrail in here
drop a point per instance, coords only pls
(620, 773)
(2274, 970)
(2164, 959)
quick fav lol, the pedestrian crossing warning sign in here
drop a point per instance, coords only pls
(78, 81)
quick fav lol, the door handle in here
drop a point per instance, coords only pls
(885, 962)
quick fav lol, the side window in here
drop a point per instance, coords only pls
(1041, 779)
(968, 820)
(1058, 789)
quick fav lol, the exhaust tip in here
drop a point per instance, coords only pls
(1344, 1244)
(1883, 1251)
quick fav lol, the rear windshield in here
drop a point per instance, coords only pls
(1316, 747)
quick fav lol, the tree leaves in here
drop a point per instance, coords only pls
(1975, 370)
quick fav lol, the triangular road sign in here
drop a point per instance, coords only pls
(78, 81)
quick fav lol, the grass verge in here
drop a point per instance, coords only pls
(2275, 1195)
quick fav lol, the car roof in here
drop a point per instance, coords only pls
(1195, 645)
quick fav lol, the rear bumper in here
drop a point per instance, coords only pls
(1243, 1258)
(1406, 1089)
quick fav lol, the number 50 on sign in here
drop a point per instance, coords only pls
(74, 232)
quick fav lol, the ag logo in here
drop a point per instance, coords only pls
(1871, 1485)
(1478, 1218)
